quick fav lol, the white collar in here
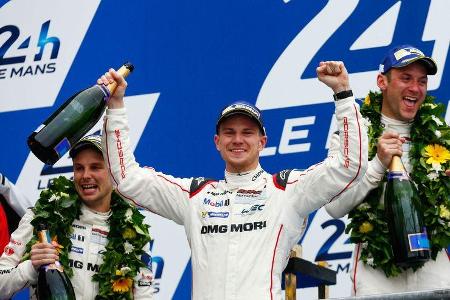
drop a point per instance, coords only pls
(235, 180)
(94, 217)
(400, 127)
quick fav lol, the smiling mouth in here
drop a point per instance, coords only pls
(410, 102)
(237, 150)
(89, 187)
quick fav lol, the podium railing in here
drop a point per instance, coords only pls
(301, 273)
(422, 295)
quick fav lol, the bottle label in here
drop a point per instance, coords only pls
(397, 175)
(418, 241)
(62, 147)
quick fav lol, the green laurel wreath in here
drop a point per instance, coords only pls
(59, 205)
(368, 224)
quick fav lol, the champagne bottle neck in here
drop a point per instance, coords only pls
(44, 236)
(124, 70)
(396, 165)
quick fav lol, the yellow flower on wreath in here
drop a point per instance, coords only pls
(129, 233)
(122, 285)
(444, 212)
(367, 100)
(436, 154)
(365, 227)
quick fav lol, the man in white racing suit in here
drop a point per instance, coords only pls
(240, 229)
(403, 83)
(89, 236)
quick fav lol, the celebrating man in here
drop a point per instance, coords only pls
(241, 228)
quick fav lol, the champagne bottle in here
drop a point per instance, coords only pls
(53, 283)
(407, 231)
(70, 122)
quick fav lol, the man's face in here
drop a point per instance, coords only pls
(92, 180)
(403, 91)
(239, 142)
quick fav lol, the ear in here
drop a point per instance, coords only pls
(216, 141)
(262, 142)
(382, 82)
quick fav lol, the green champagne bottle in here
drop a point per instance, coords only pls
(53, 283)
(407, 231)
(70, 122)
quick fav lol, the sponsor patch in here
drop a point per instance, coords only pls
(9, 251)
(252, 209)
(144, 283)
(77, 249)
(16, 242)
(79, 226)
(216, 203)
(99, 236)
(208, 229)
(249, 196)
(214, 214)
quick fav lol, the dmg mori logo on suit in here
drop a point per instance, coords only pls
(38, 42)
(258, 225)
(73, 263)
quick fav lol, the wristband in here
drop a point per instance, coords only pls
(342, 95)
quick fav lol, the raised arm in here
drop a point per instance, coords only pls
(157, 192)
(327, 180)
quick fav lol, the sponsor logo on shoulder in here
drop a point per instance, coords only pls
(6, 271)
(18, 243)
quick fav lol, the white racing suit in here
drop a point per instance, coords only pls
(367, 280)
(240, 229)
(88, 238)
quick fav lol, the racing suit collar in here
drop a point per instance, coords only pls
(235, 180)
(395, 124)
(401, 127)
(93, 217)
